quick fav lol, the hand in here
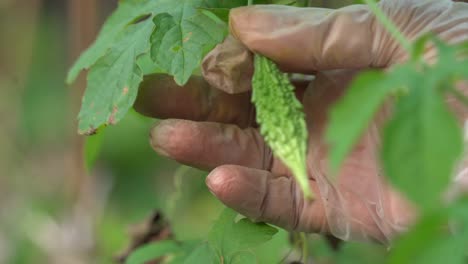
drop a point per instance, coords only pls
(222, 135)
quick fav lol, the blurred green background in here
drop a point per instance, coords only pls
(52, 210)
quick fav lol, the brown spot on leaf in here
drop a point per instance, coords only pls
(90, 132)
(125, 90)
(187, 38)
(112, 116)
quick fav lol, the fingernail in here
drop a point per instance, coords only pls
(212, 181)
(236, 15)
(160, 134)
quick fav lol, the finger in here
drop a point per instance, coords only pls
(307, 39)
(160, 97)
(264, 197)
(207, 145)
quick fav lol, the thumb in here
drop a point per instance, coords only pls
(307, 39)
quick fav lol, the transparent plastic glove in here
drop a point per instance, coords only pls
(245, 176)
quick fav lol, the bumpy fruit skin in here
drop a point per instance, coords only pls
(281, 118)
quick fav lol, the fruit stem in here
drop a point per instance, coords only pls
(303, 181)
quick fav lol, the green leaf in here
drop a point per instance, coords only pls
(113, 59)
(423, 141)
(421, 144)
(361, 253)
(113, 81)
(203, 254)
(126, 13)
(245, 234)
(222, 227)
(419, 47)
(226, 3)
(290, 2)
(153, 251)
(452, 63)
(244, 257)
(182, 36)
(221, 13)
(352, 113)
(428, 242)
(229, 236)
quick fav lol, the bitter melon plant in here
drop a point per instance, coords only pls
(281, 118)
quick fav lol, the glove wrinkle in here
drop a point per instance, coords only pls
(229, 67)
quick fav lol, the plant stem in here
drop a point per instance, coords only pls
(305, 248)
(389, 25)
(250, 2)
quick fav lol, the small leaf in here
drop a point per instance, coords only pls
(153, 251)
(361, 253)
(428, 242)
(228, 236)
(245, 234)
(203, 254)
(221, 13)
(182, 37)
(353, 112)
(419, 47)
(222, 227)
(422, 144)
(124, 15)
(113, 81)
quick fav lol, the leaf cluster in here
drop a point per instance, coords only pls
(423, 140)
(229, 241)
(421, 147)
(175, 34)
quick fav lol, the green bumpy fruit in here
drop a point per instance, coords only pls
(281, 118)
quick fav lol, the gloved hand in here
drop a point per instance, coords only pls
(222, 136)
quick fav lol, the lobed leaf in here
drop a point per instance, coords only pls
(421, 145)
(229, 237)
(202, 254)
(113, 81)
(182, 37)
(126, 13)
(430, 242)
(352, 113)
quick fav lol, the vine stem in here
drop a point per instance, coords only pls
(305, 247)
(389, 25)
